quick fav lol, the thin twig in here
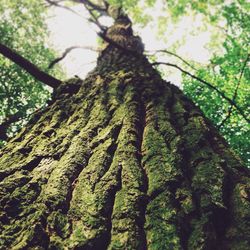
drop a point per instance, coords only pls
(94, 18)
(56, 4)
(173, 54)
(207, 84)
(98, 8)
(67, 51)
(229, 112)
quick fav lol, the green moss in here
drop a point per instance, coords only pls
(97, 158)
(28, 230)
(161, 224)
(83, 197)
(58, 222)
(55, 243)
(195, 132)
(13, 181)
(208, 179)
(78, 237)
(157, 160)
(238, 234)
(198, 237)
(185, 198)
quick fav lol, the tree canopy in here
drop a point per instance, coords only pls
(219, 87)
(124, 159)
(23, 29)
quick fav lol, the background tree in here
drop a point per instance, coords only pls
(122, 160)
(22, 28)
(227, 70)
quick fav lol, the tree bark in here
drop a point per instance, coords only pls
(122, 160)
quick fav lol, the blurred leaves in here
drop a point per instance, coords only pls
(23, 28)
(224, 72)
(229, 25)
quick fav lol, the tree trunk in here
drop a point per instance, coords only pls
(122, 160)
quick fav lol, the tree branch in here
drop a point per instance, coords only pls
(90, 7)
(232, 102)
(229, 112)
(175, 55)
(56, 4)
(67, 51)
(102, 10)
(29, 67)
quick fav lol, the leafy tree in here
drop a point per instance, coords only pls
(121, 160)
(227, 71)
(22, 28)
(230, 73)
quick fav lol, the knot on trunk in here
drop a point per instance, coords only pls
(70, 86)
(121, 33)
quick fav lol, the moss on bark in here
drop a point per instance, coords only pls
(122, 160)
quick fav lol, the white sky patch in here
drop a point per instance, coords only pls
(196, 48)
(68, 29)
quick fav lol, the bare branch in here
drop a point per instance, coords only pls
(56, 4)
(230, 109)
(89, 7)
(67, 51)
(29, 67)
(232, 102)
(100, 9)
(175, 55)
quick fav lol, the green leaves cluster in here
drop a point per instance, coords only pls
(229, 23)
(137, 9)
(228, 71)
(23, 29)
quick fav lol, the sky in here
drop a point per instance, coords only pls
(69, 29)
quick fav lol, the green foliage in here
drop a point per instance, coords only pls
(136, 9)
(229, 25)
(23, 29)
(227, 71)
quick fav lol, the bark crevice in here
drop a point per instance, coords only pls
(121, 160)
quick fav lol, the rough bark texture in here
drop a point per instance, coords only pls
(122, 160)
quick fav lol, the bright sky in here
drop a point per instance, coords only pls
(68, 29)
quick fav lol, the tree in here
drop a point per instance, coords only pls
(226, 73)
(122, 160)
(229, 72)
(20, 93)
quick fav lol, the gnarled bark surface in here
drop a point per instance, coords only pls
(122, 160)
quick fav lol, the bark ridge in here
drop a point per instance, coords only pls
(122, 160)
